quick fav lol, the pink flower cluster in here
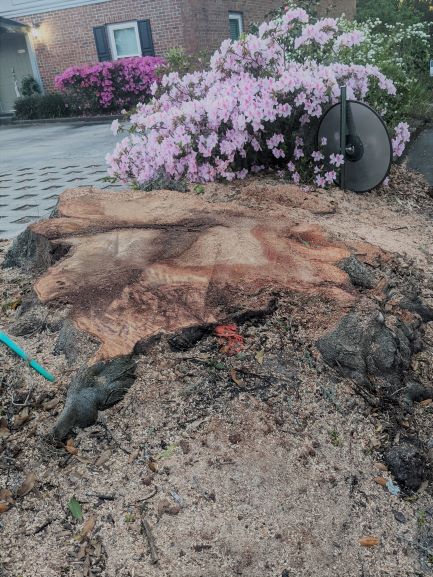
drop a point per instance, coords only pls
(320, 33)
(252, 110)
(349, 39)
(110, 86)
(401, 138)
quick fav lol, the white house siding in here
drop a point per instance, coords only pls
(14, 8)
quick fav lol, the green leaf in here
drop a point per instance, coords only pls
(75, 509)
(199, 189)
(168, 452)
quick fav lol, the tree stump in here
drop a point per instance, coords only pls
(136, 264)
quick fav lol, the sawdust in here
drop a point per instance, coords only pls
(259, 464)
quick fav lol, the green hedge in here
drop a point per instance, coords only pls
(41, 106)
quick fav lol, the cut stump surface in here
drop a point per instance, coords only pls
(136, 264)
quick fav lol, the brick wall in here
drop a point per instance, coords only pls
(66, 36)
(206, 23)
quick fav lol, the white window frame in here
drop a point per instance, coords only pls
(121, 26)
(239, 17)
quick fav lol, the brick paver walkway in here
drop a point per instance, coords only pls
(37, 163)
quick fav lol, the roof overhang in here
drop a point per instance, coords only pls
(7, 25)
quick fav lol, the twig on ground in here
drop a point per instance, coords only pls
(152, 547)
(64, 461)
(26, 403)
(43, 526)
(149, 495)
(365, 394)
(101, 496)
(112, 438)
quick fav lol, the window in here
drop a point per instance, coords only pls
(236, 22)
(124, 40)
(114, 41)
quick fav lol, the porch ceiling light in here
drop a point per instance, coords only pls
(36, 32)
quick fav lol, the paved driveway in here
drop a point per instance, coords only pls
(38, 162)
(420, 155)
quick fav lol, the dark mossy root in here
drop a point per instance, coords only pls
(29, 251)
(94, 389)
(407, 461)
(363, 346)
(359, 273)
(33, 252)
(375, 351)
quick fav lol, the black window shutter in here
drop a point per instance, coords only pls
(101, 41)
(146, 41)
(235, 32)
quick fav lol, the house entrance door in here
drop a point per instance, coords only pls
(15, 64)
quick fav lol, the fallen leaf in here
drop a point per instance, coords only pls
(6, 495)
(97, 549)
(426, 402)
(14, 304)
(375, 442)
(83, 460)
(103, 458)
(21, 418)
(236, 379)
(70, 448)
(82, 551)
(133, 456)
(4, 507)
(4, 429)
(380, 481)
(27, 485)
(380, 466)
(369, 541)
(50, 404)
(75, 508)
(165, 506)
(167, 452)
(260, 355)
(88, 527)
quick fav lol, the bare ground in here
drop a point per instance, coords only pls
(260, 464)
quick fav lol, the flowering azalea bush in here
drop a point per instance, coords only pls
(256, 107)
(109, 86)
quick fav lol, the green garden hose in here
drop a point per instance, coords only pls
(16, 349)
